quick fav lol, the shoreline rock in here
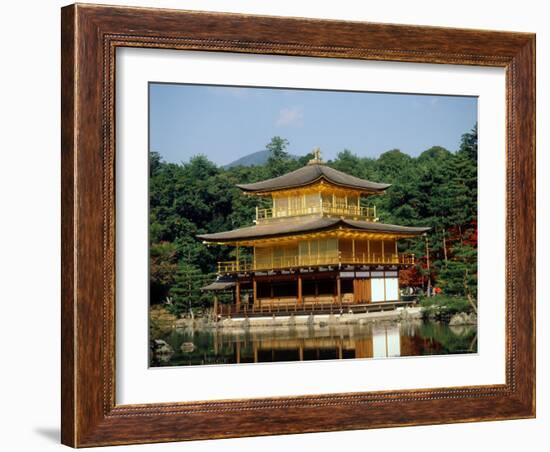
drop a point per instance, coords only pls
(161, 348)
(462, 318)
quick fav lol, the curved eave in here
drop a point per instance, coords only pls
(311, 174)
(276, 230)
(261, 192)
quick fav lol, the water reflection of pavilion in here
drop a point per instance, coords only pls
(196, 346)
(314, 343)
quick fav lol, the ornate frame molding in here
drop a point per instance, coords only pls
(90, 37)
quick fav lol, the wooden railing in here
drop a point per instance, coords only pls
(234, 266)
(328, 306)
(376, 258)
(329, 209)
(314, 261)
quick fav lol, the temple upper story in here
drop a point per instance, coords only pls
(317, 218)
(313, 199)
(315, 190)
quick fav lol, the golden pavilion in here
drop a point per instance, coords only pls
(317, 249)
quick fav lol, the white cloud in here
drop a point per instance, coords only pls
(293, 116)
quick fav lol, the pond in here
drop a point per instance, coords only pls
(191, 347)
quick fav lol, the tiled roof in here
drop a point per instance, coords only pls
(310, 174)
(292, 227)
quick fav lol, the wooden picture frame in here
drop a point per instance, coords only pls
(90, 36)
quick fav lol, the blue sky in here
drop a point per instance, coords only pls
(226, 123)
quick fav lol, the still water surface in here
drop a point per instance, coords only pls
(308, 342)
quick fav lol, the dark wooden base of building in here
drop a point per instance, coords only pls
(231, 311)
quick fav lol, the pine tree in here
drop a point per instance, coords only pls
(459, 277)
(279, 161)
(185, 293)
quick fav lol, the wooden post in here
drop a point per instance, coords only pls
(300, 299)
(238, 296)
(338, 288)
(254, 291)
(215, 308)
(383, 253)
(316, 293)
(254, 260)
(289, 202)
(368, 250)
(429, 288)
(368, 294)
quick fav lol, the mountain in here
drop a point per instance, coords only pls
(256, 158)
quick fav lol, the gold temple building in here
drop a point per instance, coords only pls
(317, 249)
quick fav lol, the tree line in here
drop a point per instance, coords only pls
(437, 189)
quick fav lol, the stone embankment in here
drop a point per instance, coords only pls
(399, 314)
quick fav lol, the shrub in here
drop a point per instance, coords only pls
(443, 305)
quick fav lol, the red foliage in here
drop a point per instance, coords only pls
(470, 237)
(410, 277)
(469, 234)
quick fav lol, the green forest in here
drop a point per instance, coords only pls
(437, 189)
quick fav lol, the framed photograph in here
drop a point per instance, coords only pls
(282, 225)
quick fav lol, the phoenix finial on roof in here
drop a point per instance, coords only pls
(316, 160)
